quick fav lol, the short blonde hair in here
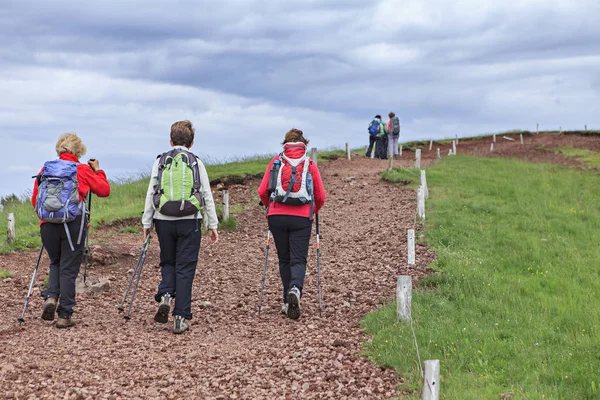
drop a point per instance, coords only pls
(70, 143)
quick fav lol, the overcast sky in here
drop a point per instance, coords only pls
(119, 73)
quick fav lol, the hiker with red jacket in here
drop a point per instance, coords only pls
(293, 190)
(59, 194)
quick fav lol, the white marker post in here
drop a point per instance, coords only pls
(494, 138)
(390, 161)
(430, 144)
(348, 151)
(454, 147)
(411, 247)
(225, 205)
(521, 137)
(537, 128)
(492, 147)
(431, 380)
(456, 140)
(403, 298)
(313, 154)
(424, 183)
(439, 156)
(421, 203)
(10, 234)
(400, 150)
(508, 138)
(418, 159)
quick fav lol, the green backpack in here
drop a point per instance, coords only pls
(177, 188)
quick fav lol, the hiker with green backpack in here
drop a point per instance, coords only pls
(179, 187)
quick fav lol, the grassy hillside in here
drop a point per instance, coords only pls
(515, 305)
(126, 200)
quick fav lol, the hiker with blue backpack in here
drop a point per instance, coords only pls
(59, 194)
(393, 132)
(374, 130)
(294, 194)
(178, 188)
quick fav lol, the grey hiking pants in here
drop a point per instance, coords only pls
(393, 145)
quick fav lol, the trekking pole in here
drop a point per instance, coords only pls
(133, 275)
(86, 250)
(139, 273)
(319, 266)
(262, 285)
(22, 319)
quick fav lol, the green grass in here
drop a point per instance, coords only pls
(402, 176)
(588, 158)
(515, 305)
(4, 274)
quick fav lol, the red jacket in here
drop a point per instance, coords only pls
(285, 209)
(86, 177)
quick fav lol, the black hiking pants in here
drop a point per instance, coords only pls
(179, 247)
(372, 140)
(64, 262)
(291, 235)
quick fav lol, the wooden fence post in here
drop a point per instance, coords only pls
(439, 156)
(424, 183)
(348, 151)
(400, 150)
(521, 137)
(390, 161)
(421, 203)
(560, 129)
(418, 158)
(225, 205)
(313, 154)
(431, 380)
(430, 144)
(494, 138)
(10, 234)
(403, 298)
(537, 128)
(454, 147)
(492, 147)
(456, 140)
(411, 247)
(585, 128)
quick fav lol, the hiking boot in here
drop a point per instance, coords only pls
(49, 309)
(293, 297)
(64, 322)
(284, 308)
(180, 325)
(164, 307)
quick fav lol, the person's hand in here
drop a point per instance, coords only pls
(214, 235)
(147, 232)
(94, 164)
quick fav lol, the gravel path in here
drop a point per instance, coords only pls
(230, 352)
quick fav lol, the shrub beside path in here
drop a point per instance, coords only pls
(230, 352)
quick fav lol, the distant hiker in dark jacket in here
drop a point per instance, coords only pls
(290, 216)
(393, 133)
(178, 187)
(381, 146)
(65, 242)
(373, 130)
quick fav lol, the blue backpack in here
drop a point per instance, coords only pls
(58, 195)
(374, 127)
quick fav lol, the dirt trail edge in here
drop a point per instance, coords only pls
(230, 352)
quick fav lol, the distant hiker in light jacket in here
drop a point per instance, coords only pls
(290, 216)
(393, 130)
(65, 243)
(178, 187)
